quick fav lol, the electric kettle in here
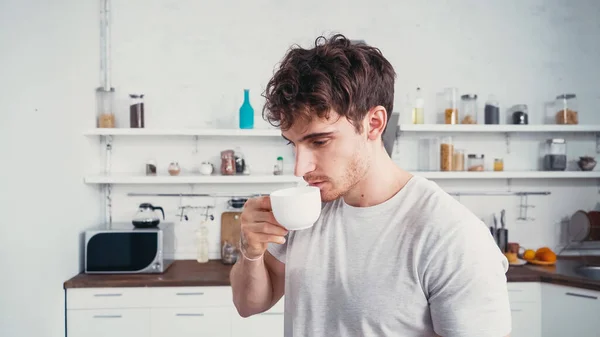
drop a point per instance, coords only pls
(145, 217)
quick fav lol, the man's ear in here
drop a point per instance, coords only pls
(376, 122)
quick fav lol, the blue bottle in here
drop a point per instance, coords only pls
(246, 112)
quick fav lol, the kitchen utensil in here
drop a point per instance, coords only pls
(586, 163)
(206, 168)
(494, 229)
(237, 202)
(296, 208)
(584, 226)
(146, 217)
(230, 228)
(502, 233)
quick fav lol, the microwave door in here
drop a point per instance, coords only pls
(121, 252)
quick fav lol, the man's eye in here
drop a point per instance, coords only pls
(320, 142)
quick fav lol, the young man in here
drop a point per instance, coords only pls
(392, 254)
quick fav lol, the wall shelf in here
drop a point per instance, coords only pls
(510, 175)
(190, 179)
(500, 128)
(184, 132)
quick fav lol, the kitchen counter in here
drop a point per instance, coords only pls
(214, 273)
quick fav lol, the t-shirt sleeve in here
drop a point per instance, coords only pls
(278, 250)
(465, 280)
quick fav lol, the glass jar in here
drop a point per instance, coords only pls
(451, 109)
(498, 164)
(566, 109)
(151, 167)
(418, 114)
(491, 111)
(227, 162)
(429, 154)
(475, 162)
(106, 114)
(468, 109)
(458, 160)
(519, 114)
(555, 157)
(136, 111)
(278, 168)
(446, 154)
(174, 168)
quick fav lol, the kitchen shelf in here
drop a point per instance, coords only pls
(184, 132)
(191, 179)
(510, 175)
(499, 128)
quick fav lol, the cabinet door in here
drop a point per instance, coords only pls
(526, 320)
(108, 323)
(569, 311)
(267, 324)
(191, 322)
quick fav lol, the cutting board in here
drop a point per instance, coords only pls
(230, 228)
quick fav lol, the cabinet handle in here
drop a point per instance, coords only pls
(107, 316)
(108, 295)
(189, 315)
(515, 290)
(516, 310)
(190, 294)
(582, 295)
(272, 313)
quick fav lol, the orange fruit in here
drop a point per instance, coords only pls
(541, 251)
(529, 255)
(546, 256)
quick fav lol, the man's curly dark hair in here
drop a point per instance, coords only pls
(337, 74)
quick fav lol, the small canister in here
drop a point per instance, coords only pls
(475, 162)
(228, 162)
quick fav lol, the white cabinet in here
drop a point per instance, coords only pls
(108, 323)
(165, 312)
(525, 308)
(570, 311)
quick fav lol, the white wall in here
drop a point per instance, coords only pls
(48, 68)
(193, 58)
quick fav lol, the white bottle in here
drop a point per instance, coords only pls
(202, 244)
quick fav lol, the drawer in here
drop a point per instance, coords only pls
(106, 298)
(108, 322)
(190, 297)
(528, 292)
(191, 322)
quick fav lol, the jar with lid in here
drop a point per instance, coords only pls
(106, 114)
(469, 109)
(475, 162)
(519, 114)
(174, 168)
(451, 106)
(202, 244)
(491, 111)
(555, 156)
(498, 164)
(228, 162)
(418, 114)
(446, 154)
(458, 160)
(136, 111)
(278, 168)
(429, 154)
(566, 109)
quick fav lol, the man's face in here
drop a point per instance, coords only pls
(330, 154)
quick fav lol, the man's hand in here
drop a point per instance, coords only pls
(259, 227)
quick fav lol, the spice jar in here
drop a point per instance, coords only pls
(446, 154)
(475, 162)
(105, 99)
(278, 168)
(174, 169)
(227, 162)
(451, 109)
(566, 109)
(519, 114)
(469, 109)
(151, 168)
(458, 160)
(136, 111)
(498, 164)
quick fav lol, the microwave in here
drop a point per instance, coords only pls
(124, 249)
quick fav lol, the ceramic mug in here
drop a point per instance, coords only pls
(296, 207)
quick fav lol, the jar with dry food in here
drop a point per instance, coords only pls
(458, 160)
(475, 162)
(174, 168)
(498, 164)
(566, 109)
(451, 108)
(446, 154)
(228, 162)
(106, 115)
(468, 109)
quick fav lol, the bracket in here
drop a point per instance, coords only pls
(597, 142)
(108, 201)
(507, 141)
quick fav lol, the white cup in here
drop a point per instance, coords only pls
(296, 207)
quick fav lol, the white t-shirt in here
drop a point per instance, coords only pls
(417, 264)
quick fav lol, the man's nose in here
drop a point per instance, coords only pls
(304, 162)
